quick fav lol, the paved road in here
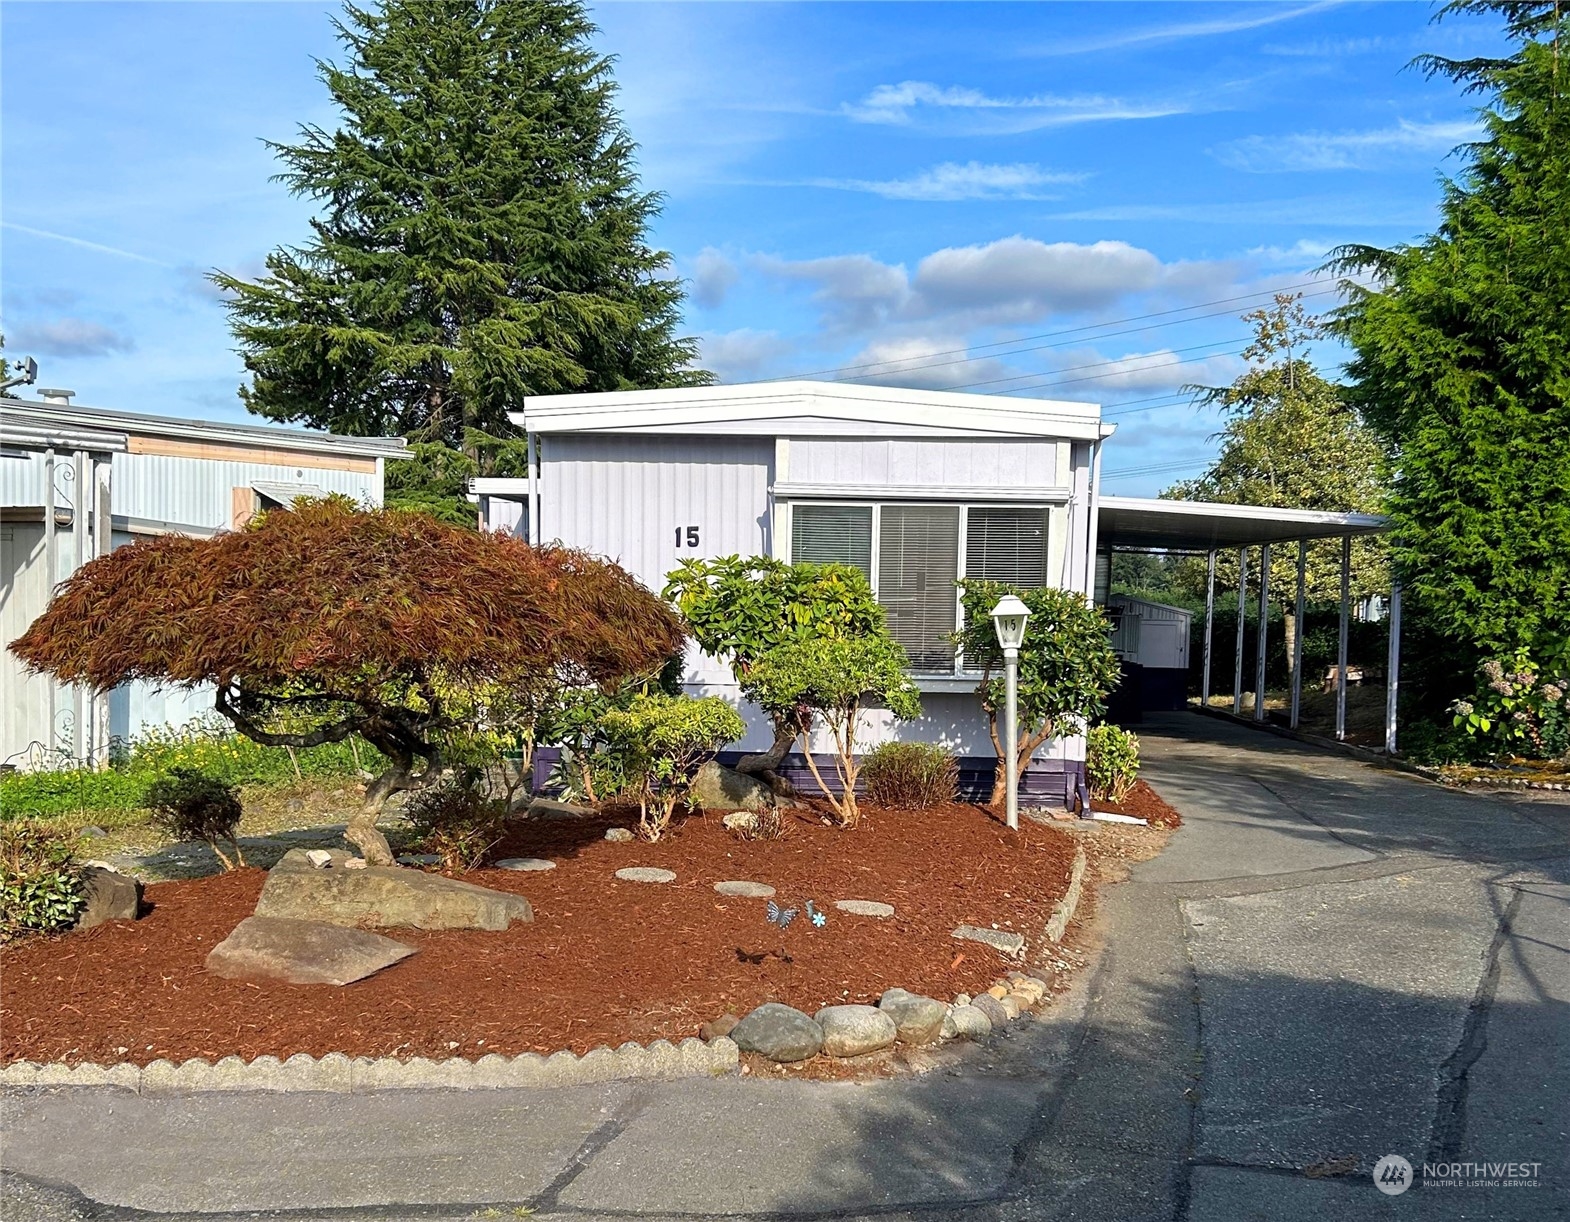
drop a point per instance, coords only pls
(1330, 962)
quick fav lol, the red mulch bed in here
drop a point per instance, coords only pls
(603, 962)
(1143, 802)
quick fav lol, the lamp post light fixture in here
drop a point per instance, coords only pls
(1008, 620)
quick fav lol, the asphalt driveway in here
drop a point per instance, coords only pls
(1330, 964)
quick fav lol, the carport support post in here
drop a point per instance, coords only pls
(1210, 624)
(1346, 602)
(1242, 619)
(1264, 617)
(1297, 637)
(1393, 665)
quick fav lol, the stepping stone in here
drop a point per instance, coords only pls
(525, 863)
(1002, 941)
(645, 874)
(866, 908)
(746, 890)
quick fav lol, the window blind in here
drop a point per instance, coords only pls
(1006, 544)
(832, 534)
(918, 559)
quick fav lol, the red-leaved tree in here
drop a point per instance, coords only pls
(325, 620)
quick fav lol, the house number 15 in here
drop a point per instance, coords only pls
(689, 533)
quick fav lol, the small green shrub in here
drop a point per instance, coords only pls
(1111, 762)
(40, 885)
(663, 741)
(458, 822)
(189, 805)
(914, 775)
(1522, 707)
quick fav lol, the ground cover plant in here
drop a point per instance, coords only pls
(914, 775)
(385, 624)
(208, 745)
(1066, 667)
(835, 680)
(40, 884)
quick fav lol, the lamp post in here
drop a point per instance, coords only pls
(1008, 620)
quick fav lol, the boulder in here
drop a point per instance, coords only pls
(917, 1019)
(718, 1028)
(716, 787)
(110, 896)
(779, 1033)
(993, 1009)
(302, 952)
(382, 897)
(550, 808)
(619, 835)
(970, 1022)
(851, 1031)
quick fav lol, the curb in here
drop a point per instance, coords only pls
(340, 1074)
(1063, 910)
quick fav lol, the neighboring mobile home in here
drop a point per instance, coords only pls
(76, 482)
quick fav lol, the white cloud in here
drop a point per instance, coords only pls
(81, 243)
(953, 181)
(69, 337)
(1304, 250)
(1327, 48)
(713, 275)
(964, 110)
(1343, 150)
(1257, 16)
(1148, 372)
(931, 362)
(743, 355)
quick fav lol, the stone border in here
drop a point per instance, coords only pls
(341, 1074)
(1063, 910)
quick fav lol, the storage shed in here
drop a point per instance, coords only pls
(76, 482)
(916, 488)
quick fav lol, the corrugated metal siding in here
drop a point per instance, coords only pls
(868, 462)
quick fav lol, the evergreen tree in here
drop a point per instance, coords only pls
(482, 235)
(1463, 365)
(1291, 439)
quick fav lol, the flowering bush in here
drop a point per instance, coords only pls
(1521, 707)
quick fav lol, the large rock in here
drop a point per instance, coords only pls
(111, 896)
(917, 1019)
(970, 1022)
(778, 1032)
(716, 787)
(302, 952)
(851, 1031)
(383, 897)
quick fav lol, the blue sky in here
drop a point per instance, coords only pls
(968, 196)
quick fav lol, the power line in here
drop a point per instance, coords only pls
(1025, 339)
(1113, 374)
(1157, 468)
(1121, 360)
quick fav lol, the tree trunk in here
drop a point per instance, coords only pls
(763, 764)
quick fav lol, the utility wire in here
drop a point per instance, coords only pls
(1024, 339)
(1121, 360)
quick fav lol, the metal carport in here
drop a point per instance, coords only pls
(1139, 524)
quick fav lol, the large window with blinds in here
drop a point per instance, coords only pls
(913, 554)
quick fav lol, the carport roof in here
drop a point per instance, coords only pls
(1133, 523)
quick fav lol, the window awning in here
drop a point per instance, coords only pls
(1139, 523)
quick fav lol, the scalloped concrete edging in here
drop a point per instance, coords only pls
(1063, 910)
(341, 1074)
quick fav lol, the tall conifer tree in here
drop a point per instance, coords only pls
(1463, 365)
(481, 236)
